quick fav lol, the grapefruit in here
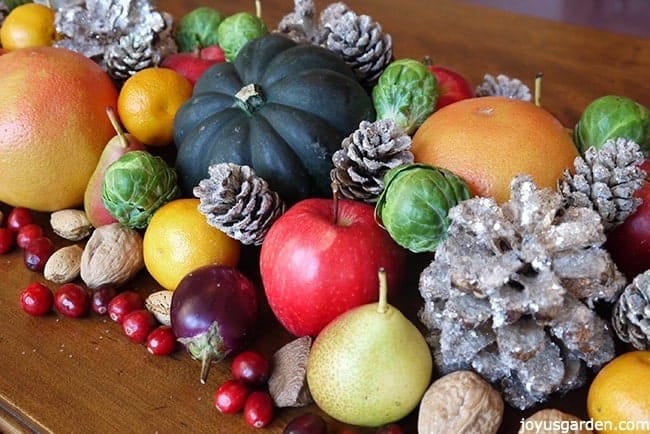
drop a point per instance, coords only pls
(53, 126)
(487, 141)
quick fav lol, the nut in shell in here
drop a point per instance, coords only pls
(159, 304)
(460, 402)
(550, 421)
(64, 265)
(113, 255)
(71, 224)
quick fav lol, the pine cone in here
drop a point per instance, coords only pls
(631, 315)
(4, 11)
(300, 25)
(511, 293)
(503, 85)
(366, 155)
(238, 202)
(606, 180)
(358, 39)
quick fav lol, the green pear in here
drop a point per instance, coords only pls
(370, 366)
(119, 145)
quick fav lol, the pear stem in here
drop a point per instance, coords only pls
(538, 89)
(258, 8)
(116, 126)
(382, 304)
(335, 201)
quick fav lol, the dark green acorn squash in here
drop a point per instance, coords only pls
(282, 108)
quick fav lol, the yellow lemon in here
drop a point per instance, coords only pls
(28, 25)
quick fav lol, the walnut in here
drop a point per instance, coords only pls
(551, 421)
(460, 402)
(71, 224)
(112, 256)
(64, 265)
(159, 303)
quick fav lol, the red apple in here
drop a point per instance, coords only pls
(192, 65)
(452, 86)
(315, 266)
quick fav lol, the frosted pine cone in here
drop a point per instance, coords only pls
(631, 315)
(4, 11)
(511, 292)
(366, 155)
(300, 25)
(503, 85)
(606, 180)
(238, 202)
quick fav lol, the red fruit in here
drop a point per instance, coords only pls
(193, 65)
(7, 240)
(19, 217)
(36, 299)
(306, 423)
(101, 298)
(452, 86)
(391, 428)
(27, 233)
(251, 368)
(161, 341)
(137, 325)
(212, 52)
(258, 409)
(72, 300)
(230, 397)
(37, 252)
(124, 303)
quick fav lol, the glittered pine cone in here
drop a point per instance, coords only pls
(631, 314)
(4, 11)
(301, 24)
(366, 155)
(502, 85)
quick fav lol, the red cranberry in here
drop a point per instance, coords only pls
(124, 303)
(137, 325)
(251, 367)
(19, 217)
(72, 300)
(7, 240)
(306, 423)
(230, 397)
(101, 298)
(36, 299)
(258, 409)
(161, 341)
(27, 233)
(391, 428)
(37, 252)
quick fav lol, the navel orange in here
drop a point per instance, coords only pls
(487, 141)
(53, 126)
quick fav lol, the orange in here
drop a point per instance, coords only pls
(149, 101)
(179, 239)
(487, 141)
(28, 25)
(619, 396)
(53, 126)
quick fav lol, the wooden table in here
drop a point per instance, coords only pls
(63, 375)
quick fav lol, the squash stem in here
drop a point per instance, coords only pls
(116, 126)
(538, 89)
(335, 201)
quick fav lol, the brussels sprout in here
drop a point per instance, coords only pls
(236, 30)
(136, 185)
(198, 29)
(414, 204)
(611, 117)
(406, 92)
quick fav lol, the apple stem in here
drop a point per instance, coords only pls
(116, 126)
(258, 8)
(538, 89)
(335, 201)
(382, 304)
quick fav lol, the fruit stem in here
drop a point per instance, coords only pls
(116, 126)
(335, 201)
(538, 89)
(382, 304)
(427, 61)
(258, 9)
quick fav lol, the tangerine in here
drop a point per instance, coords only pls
(488, 141)
(54, 126)
(28, 25)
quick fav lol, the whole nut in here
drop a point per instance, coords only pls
(64, 265)
(71, 224)
(550, 421)
(460, 402)
(112, 256)
(159, 303)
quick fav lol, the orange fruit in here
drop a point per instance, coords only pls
(618, 397)
(149, 101)
(28, 25)
(53, 126)
(179, 239)
(487, 141)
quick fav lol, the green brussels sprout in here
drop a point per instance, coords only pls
(238, 29)
(612, 117)
(414, 204)
(405, 92)
(136, 185)
(198, 29)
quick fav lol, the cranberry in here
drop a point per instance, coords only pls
(161, 341)
(251, 367)
(7, 240)
(19, 217)
(36, 299)
(72, 300)
(391, 428)
(258, 409)
(230, 397)
(306, 423)
(37, 252)
(137, 325)
(124, 303)
(101, 298)
(27, 233)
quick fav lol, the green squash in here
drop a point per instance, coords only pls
(281, 108)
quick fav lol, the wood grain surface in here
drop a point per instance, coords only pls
(66, 375)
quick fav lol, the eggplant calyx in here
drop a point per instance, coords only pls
(207, 347)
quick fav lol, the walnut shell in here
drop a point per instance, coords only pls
(64, 265)
(460, 402)
(551, 421)
(71, 224)
(113, 255)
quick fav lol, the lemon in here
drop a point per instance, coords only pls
(28, 25)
